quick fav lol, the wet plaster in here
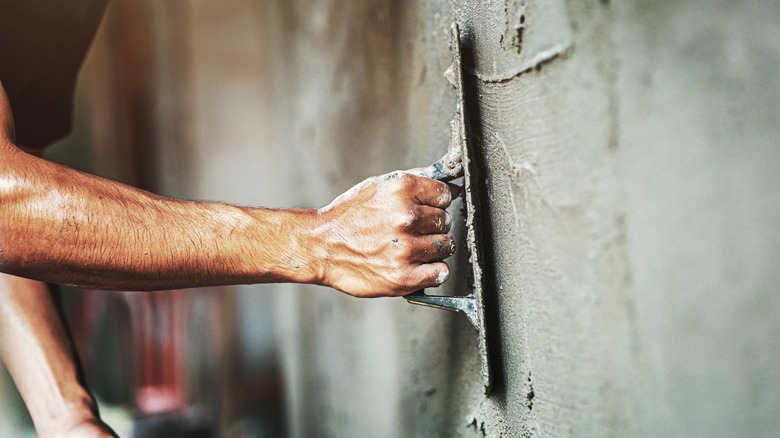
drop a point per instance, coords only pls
(629, 165)
(360, 106)
(562, 307)
(514, 36)
(543, 113)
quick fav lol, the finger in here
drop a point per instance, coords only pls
(431, 220)
(416, 170)
(431, 192)
(428, 275)
(431, 248)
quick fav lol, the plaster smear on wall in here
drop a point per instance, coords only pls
(513, 36)
(554, 228)
(630, 166)
(557, 229)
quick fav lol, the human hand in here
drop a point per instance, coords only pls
(387, 236)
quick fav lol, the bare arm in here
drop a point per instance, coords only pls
(40, 356)
(42, 361)
(385, 237)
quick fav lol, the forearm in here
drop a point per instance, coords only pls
(40, 357)
(64, 226)
(386, 236)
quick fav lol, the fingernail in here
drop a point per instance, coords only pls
(442, 277)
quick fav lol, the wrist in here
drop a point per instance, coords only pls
(67, 414)
(307, 250)
(287, 246)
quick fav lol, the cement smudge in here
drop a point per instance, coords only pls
(517, 170)
(536, 63)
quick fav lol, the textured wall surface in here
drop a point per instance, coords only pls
(699, 101)
(630, 155)
(367, 96)
(629, 161)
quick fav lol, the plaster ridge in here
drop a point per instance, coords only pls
(541, 58)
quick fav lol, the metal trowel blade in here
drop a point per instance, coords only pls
(457, 162)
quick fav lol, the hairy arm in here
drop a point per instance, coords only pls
(384, 237)
(64, 226)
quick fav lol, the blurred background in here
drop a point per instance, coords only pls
(631, 194)
(178, 98)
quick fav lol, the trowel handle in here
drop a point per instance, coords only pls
(441, 170)
(463, 304)
(450, 166)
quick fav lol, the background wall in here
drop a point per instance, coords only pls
(699, 99)
(630, 162)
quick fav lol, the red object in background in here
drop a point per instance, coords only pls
(158, 322)
(159, 328)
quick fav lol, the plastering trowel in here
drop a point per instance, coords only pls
(455, 163)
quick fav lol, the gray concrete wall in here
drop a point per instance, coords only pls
(631, 165)
(368, 96)
(631, 162)
(699, 99)
(632, 206)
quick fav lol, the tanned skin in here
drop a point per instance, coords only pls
(41, 359)
(384, 237)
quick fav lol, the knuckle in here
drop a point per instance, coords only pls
(394, 183)
(397, 264)
(400, 181)
(401, 219)
(406, 178)
(408, 218)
